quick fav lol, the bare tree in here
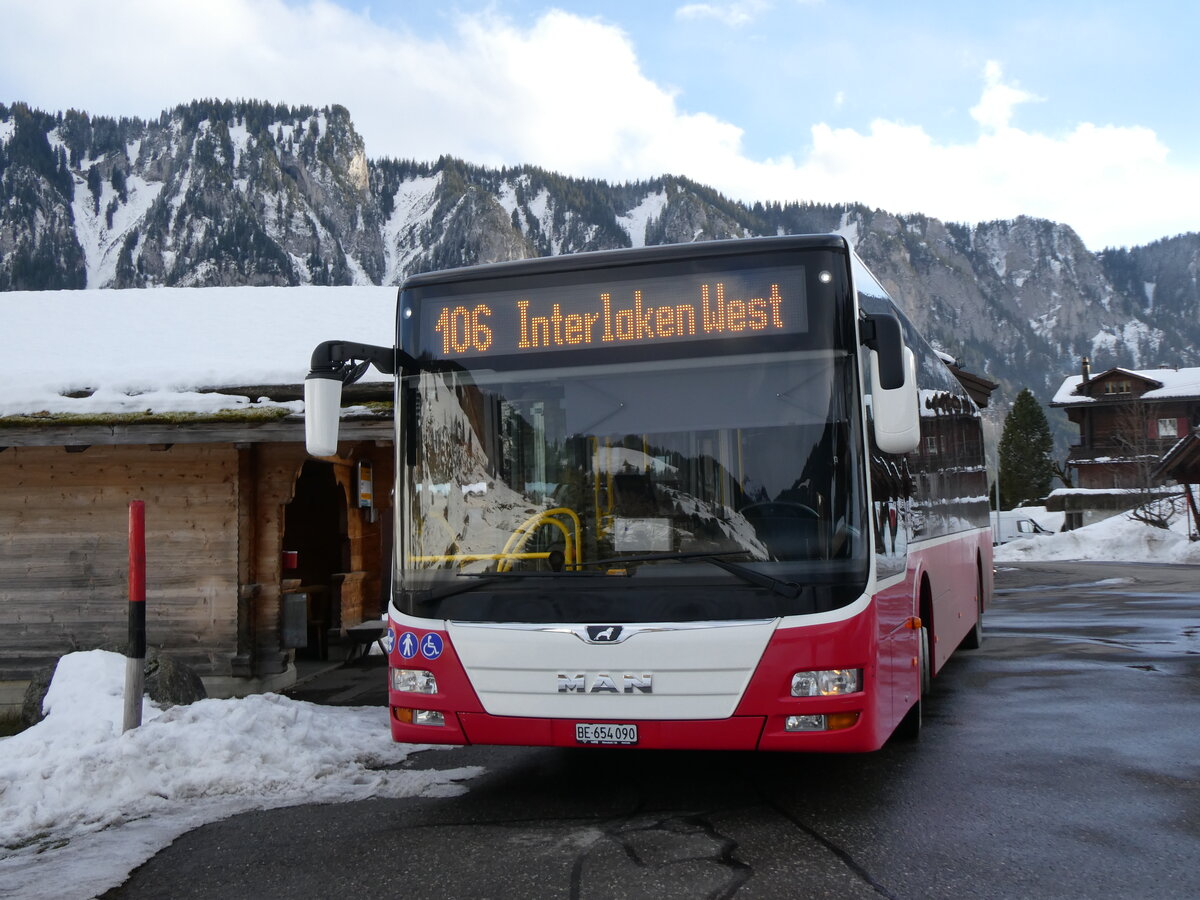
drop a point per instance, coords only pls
(1140, 448)
(1062, 473)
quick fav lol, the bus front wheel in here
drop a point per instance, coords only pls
(909, 728)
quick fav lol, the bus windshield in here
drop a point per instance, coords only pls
(646, 471)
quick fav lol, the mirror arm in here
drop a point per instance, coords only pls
(348, 361)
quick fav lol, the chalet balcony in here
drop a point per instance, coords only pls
(1119, 452)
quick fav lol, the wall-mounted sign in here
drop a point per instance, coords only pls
(366, 489)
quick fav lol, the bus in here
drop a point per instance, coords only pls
(715, 496)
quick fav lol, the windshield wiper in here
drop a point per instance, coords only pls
(788, 589)
(479, 579)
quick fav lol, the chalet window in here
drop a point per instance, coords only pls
(1168, 428)
(931, 445)
(1116, 387)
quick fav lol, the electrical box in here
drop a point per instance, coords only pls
(295, 620)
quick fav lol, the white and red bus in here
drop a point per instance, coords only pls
(717, 495)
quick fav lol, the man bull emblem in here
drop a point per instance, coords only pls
(598, 634)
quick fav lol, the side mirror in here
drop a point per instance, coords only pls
(895, 404)
(896, 411)
(335, 363)
(322, 413)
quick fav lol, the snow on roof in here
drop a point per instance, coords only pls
(1175, 383)
(159, 349)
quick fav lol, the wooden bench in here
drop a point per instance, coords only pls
(362, 635)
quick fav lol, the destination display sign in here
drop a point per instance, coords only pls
(628, 311)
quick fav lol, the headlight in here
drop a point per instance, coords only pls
(418, 716)
(414, 681)
(804, 723)
(428, 717)
(830, 722)
(827, 683)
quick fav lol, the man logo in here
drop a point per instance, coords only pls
(605, 683)
(604, 634)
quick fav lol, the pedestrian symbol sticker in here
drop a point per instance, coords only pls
(408, 645)
(389, 640)
(431, 646)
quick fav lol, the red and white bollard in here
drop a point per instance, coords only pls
(135, 651)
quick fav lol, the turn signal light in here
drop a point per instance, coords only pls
(838, 721)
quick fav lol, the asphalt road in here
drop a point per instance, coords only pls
(1060, 760)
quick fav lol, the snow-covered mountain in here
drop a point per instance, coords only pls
(222, 193)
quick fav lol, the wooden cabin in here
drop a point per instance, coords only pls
(256, 554)
(1181, 464)
(259, 558)
(1128, 420)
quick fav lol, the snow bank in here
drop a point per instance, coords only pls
(84, 804)
(1116, 539)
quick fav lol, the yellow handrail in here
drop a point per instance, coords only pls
(574, 517)
(476, 557)
(514, 548)
(529, 527)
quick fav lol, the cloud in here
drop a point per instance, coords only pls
(735, 15)
(568, 93)
(995, 107)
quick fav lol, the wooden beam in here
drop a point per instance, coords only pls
(64, 435)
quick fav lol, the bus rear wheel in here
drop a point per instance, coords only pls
(974, 637)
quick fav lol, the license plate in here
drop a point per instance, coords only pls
(605, 734)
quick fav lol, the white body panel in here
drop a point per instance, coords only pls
(698, 672)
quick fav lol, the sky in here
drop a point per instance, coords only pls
(1081, 111)
(85, 803)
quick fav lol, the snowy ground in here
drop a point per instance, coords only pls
(82, 804)
(1116, 539)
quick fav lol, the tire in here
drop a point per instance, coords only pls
(974, 638)
(909, 728)
(924, 661)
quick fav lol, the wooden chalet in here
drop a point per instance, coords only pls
(1181, 464)
(258, 556)
(1128, 420)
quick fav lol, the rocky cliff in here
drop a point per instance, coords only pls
(219, 193)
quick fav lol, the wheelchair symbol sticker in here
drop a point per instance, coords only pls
(431, 646)
(389, 640)
(408, 645)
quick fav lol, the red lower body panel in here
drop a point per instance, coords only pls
(735, 733)
(758, 722)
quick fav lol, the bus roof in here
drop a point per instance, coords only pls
(615, 258)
